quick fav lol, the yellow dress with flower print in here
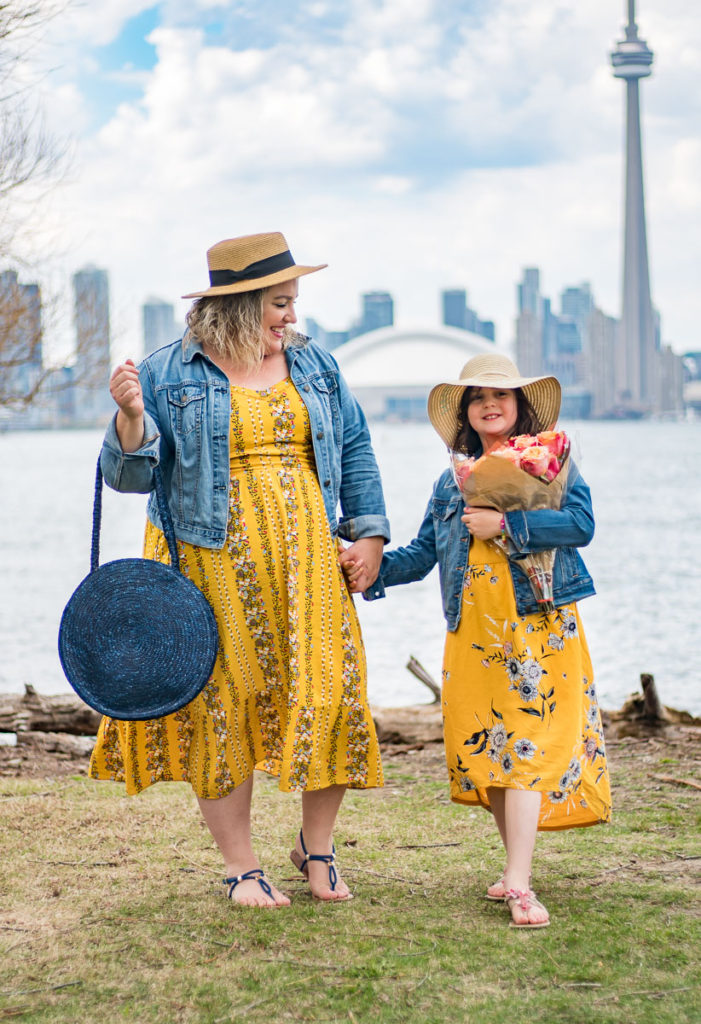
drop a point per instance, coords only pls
(288, 690)
(519, 702)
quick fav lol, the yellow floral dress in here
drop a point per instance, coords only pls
(519, 702)
(288, 690)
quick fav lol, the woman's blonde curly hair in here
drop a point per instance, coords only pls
(231, 327)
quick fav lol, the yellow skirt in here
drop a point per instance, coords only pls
(519, 702)
(288, 691)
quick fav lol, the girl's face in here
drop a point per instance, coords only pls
(492, 414)
(278, 313)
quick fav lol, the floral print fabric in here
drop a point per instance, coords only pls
(288, 691)
(519, 702)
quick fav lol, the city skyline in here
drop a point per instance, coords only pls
(579, 344)
(469, 141)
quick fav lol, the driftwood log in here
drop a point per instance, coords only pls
(644, 714)
(74, 748)
(35, 712)
(417, 669)
(64, 720)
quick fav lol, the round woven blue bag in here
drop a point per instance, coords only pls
(137, 639)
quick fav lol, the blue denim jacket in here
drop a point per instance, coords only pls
(444, 538)
(187, 410)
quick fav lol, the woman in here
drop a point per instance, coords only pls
(258, 440)
(523, 732)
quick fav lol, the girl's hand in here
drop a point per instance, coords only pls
(483, 523)
(361, 562)
(125, 388)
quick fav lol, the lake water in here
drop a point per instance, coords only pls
(645, 560)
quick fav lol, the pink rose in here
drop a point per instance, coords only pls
(535, 460)
(554, 440)
(508, 453)
(521, 442)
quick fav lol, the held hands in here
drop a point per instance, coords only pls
(483, 523)
(361, 563)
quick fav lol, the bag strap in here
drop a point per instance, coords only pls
(163, 510)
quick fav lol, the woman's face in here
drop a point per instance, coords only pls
(278, 313)
(492, 414)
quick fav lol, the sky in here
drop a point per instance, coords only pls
(413, 145)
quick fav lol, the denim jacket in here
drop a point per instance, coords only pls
(444, 538)
(187, 411)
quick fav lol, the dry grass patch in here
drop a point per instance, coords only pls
(112, 908)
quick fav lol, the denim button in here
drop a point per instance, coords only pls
(306, 388)
(320, 435)
(327, 483)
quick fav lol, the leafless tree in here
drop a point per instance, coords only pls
(31, 161)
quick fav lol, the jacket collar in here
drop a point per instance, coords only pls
(192, 347)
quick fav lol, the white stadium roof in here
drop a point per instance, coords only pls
(408, 356)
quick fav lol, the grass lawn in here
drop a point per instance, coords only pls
(112, 909)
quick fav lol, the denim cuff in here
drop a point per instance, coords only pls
(130, 470)
(376, 591)
(364, 526)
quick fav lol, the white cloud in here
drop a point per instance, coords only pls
(413, 145)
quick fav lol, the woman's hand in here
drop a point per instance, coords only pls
(361, 562)
(483, 523)
(125, 388)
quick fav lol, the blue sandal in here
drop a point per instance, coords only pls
(254, 875)
(302, 864)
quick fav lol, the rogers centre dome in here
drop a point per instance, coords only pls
(392, 370)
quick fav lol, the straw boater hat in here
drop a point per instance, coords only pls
(492, 371)
(249, 262)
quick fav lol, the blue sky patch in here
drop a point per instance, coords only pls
(130, 49)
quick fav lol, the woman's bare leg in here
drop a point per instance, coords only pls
(319, 810)
(229, 821)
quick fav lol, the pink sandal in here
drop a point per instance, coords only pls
(526, 901)
(496, 891)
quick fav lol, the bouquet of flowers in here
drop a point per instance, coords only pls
(527, 472)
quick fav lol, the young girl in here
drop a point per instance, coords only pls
(523, 733)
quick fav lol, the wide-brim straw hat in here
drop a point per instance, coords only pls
(250, 262)
(491, 370)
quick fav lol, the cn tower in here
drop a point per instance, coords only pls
(632, 60)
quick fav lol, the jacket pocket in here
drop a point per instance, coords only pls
(324, 382)
(185, 408)
(443, 509)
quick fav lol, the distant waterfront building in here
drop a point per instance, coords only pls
(578, 345)
(647, 381)
(378, 311)
(457, 313)
(21, 337)
(91, 317)
(632, 60)
(392, 370)
(159, 327)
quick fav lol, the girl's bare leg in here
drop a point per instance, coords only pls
(521, 811)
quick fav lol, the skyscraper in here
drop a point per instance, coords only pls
(378, 311)
(632, 60)
(457, 313)
(91, 316)
(158, 323)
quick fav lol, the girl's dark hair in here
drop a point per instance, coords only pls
(467, 440)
